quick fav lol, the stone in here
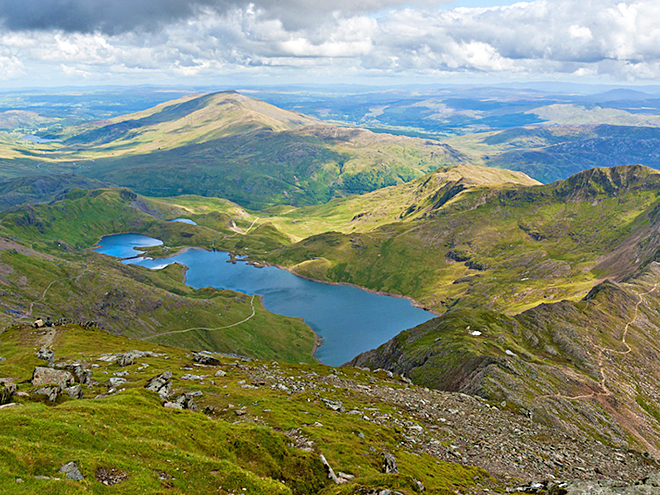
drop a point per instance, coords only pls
(419, 486)
(331, 474)
(72, 472)
(220, 373)
(115, 381)
(123, 360)
(11, 404)
(47, 355)
(172, 405)
(161, 384)
(7, 390)
(43, 376)
(335, 405)
(204, 358)
(38, 323)
(109, 476)
(75, 392)
(389, 463)
(52, 392)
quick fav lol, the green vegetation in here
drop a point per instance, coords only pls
(161, 450)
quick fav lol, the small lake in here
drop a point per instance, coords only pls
(348, 319)
(40, 140)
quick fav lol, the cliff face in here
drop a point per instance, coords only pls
(588, 366)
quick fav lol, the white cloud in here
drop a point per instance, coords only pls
(611, 38)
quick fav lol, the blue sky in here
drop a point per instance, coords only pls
(235, 42)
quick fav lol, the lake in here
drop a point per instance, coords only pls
(348, 319)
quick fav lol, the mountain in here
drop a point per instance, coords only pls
(231, 146)
(587, 365)
(190, 119)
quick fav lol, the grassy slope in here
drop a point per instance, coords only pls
(58, 276)
(588, 364)
(461, 237)
(229, 145)
(219, 452)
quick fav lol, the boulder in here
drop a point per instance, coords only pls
(389, 464)
(7, 390)
(74, 392)
(115, 381)
(72, 472)
(328, 469)
(335, 405)
(161, 384)
(52, 392)
(42, 376)
(47, 355)
(204, 358)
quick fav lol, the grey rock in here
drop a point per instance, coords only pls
(172, 405)
(389, 463)
(51, 392)
(161, 384)
(115, 381)
(72, 472)
(47, 355)
(186, 401)
(220, 373)
(75, 391)
(43, 376)
(204, 358)
(335, 405)
(193, 377)
(7, 390)
(419, 485)
(532, 487)
(2, 358)
(123, 360)
(331, 474)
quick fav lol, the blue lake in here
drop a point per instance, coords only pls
(348, 319)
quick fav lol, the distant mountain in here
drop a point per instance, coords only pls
(232, 146)
(188, 120)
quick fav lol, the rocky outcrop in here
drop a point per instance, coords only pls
(161, 384)
(47, 355)
(43, 376)
(207, 359)
(7, 390)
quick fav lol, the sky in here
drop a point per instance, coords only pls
(264, 42)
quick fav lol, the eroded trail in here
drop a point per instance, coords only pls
(600, 350)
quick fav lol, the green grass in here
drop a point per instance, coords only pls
(196, 453)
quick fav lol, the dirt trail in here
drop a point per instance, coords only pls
(43, 295)
(204, 328)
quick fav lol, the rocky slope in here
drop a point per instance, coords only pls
(588, 367)
(157, 420)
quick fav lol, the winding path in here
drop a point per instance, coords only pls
(204, 328)
(600, 349)
(29, 313)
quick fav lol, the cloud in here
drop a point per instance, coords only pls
(207, 38)
(119, 16)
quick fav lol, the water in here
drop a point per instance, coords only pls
(350, 320)
(184, 220)
(39, 140)
(125, 245)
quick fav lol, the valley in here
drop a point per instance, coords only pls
(539, 364)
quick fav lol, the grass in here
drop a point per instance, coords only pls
(169, 451)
